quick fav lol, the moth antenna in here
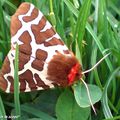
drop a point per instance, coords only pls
(89, 96)
(96, 64)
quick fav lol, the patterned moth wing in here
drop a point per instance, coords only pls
(44, 60)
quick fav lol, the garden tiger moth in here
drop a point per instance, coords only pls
(44, 60)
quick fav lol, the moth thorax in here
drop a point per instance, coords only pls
(64, 70)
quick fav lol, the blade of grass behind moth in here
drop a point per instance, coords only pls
(63, 10)
(102, 21)
(59, 26)
(104, 100)
(118, 104)
(80, 26)
(2, 110)
(35, 2)
(89, 28)
(113, 6)
(113, 108)
(71, 7)
(114, 118)
(112, 20)
(16, 84)
(11, 5)
(81, 23)
(106, 35)
(94, 47)
(3, 30)
(51, 14)
(100, 46)
(78, 54)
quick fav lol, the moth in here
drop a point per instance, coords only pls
(44, 60)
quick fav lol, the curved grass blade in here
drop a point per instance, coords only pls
(104, 100)
(114, 118)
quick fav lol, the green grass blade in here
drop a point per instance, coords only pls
(71, 7)
(89, 28)
(2, 110)
(11, 5)
(106, 109)
(94, 46)
(100, 46)
(114, 7)
(16, 84)
(114, 118)
(4, 35)
(52, 15)
(81, 22)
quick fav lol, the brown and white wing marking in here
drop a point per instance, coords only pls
(38, 43)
